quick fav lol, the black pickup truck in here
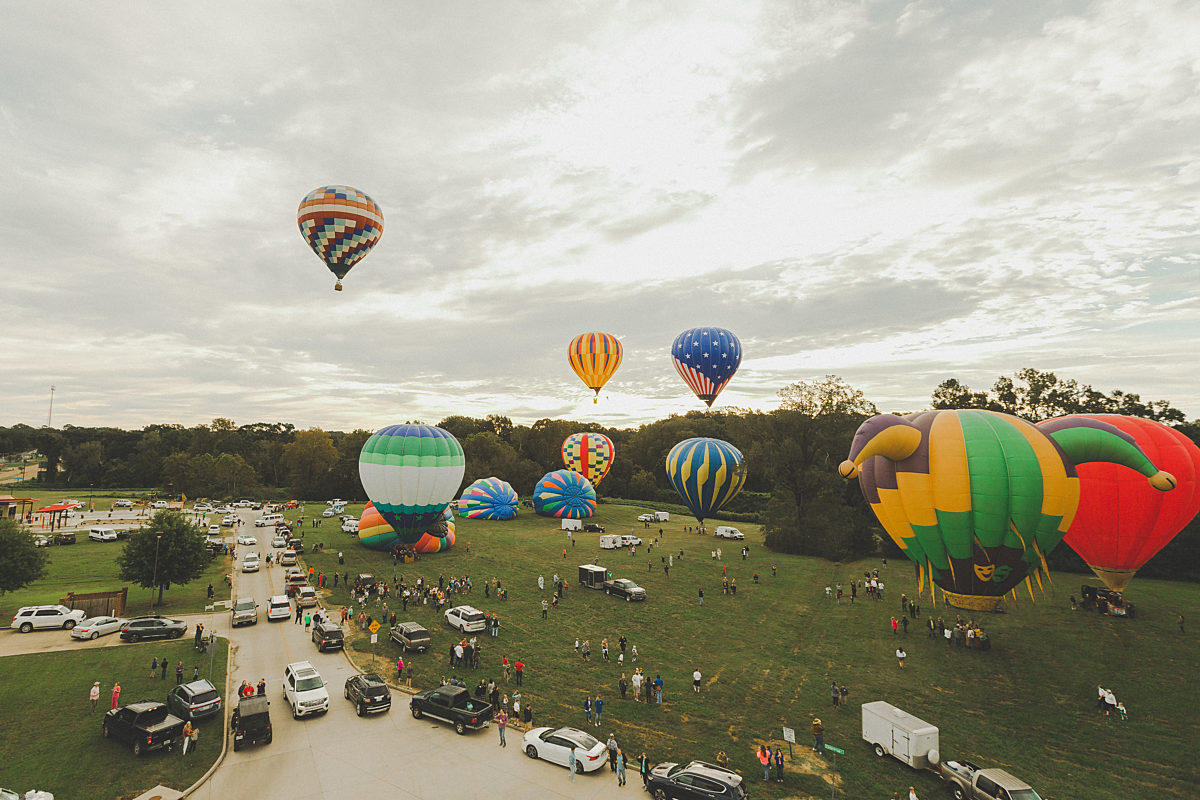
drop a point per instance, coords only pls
(144, 726)
(452, 704)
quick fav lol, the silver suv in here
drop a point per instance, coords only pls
(31, 617)
(245, 612)
(304, 690)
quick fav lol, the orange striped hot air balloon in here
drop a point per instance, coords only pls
(594, 357)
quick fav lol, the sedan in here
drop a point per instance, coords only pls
(369, 694)
(95, 627)
(40, 541)
(152, 627)
(214, 530)
(555, 745)
(246, 539)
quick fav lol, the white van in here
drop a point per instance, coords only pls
(572, 524)
(611, 542)
(630, 541)
(662, 516)
(726, 532)
(268, 520)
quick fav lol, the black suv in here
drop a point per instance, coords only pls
(64, 538)
(411, 636)
(369, 694)
(592, 527)
(697, 780)
(154, 627)
(328, 635)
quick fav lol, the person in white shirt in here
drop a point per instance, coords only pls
(696, 681)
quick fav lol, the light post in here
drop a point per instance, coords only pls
(154, 580)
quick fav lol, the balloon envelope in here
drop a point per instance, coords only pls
(706, 359)
(564, 493)
(594, 357)
(706, 473)
(1122, 522)
(438, 538)
(488, 498)
(411, 472)
(589, 454)
(341, 225)
(374, 531)
(376, 534)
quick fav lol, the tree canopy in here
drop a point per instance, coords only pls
(168, 552)
(21, 563)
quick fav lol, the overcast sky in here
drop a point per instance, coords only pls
(896, 194)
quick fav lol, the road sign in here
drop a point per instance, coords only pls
(789, 735)
(837, 750)
(374, 638)
(374, 626)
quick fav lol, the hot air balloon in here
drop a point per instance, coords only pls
(589, 454)
(341, 225)
(439, 537)
(594, 357)
(564, 494)
(376, 534)
(706, 359)
(1122, 522)
(411, 472)
(706, 473)
(975, 498)
(488, 498)
(374, 531)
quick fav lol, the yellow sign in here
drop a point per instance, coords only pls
(374, 626)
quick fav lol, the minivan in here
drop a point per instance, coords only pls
(268, 520)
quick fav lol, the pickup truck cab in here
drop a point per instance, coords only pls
(453, 704)
(143, 726)
(969, 782)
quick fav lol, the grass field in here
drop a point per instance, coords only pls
(89, 566)
(769, 653)
(51, 740)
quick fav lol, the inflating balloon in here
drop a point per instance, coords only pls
(439, 537)
(976, 499)
(376, 534)
(564, 493)
(488, 498)
(589, 454)
(1122, 522)
(411, 472)
(594, 357)
(374, 531)
(706, 359)
(706, 473)
(341, 225)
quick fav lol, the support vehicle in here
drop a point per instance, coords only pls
(969, 782)
(891, 731)
(368, 693)
(251, 721)
(143, 726)
(592, 576)
(453, 704)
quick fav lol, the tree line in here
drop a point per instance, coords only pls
(792, 452)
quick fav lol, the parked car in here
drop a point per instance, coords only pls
(411, 636)
(453, 704)
(555, 744)
(194, 701)
(592, 527)
(250, 562)
(251, 721)
(304, 690)
(229, 520)
(65, 538)
(279, 607)
(306, 597)
(969, 782)
(467, 619)
(328, 513)
(245, 612)
(226, 509)
(244, 504)
(646, 518)
(288, 558)
(28, 618)
(144, 726)
(623, 587)
(214, 530)
(202, 507)
(160, 504)
(40, 541)
(122, 504)
(368, 693)
(279, 541)
(102, 535)
(328, 635)
(350, 526)
(152, 627)
(726, 532)
(95, 627)
(695, 780)
(246, 539)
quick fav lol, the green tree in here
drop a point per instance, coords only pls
(308, 460)
(21, 563)
(168, 552)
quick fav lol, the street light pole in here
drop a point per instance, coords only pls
(154, 580)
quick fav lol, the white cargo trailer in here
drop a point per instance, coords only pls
(897, 733)
(572, 524)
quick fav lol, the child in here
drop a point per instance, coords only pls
(1121, 711)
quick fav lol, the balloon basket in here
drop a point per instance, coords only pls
(337, 287)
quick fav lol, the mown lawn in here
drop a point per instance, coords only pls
(51, 740)
(769, 653)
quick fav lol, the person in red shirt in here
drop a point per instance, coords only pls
(519, 667)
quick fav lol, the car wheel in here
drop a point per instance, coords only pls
(94, 635)
(416, 712)
(295, 712)
(358, 709)
(578, 767)
(660, 794)
(459, 728)
(346, 692)
(104, 730)
(959, 794)
(268, 739)
(133, 637)
(628, 598)
(68, 625)
(531, 751)
(176, 634)
(26, 627)
(137, 747)
(608, 591)
(879, 751)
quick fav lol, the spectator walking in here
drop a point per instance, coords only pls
(153, 668)
(612, 752)
(94, 695)
(779, 764)
(501, 724)
(818, 732)
(620, 767)
(599, 706)
(587, 709)
(900, 656)
(571, 752)
(696, 681)
(644, 769)
(187, 735)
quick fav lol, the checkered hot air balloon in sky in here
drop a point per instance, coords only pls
(706, 359)
(976, 499)
(589, 454)
(411, 472)
(594, 357)
(341, 225)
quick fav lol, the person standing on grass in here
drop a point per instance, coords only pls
(519, 668)
(599, 706)
(187, 735)
(501, 723)
(764, 758)
(587, 709)
(116, 694)
(623, 685)
(779, 764)
(179, 673)
(162, 665)
(696, 681)
(658, 687)
(900, 656)
(527, 716)
(636, 682)
(94, 695)
(153, 667)
(844, 692)
(818, 732)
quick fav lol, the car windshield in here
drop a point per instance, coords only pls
(308, 684)
(626, 584)
(1024, 794)
(244, 605)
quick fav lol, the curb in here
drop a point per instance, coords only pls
(224, 728)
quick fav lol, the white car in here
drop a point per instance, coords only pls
(250, 562)
(229, 521)
(122, 504)
(726, 532)
(467, 619)
(40, 541)
(350, 526)
(244, 504)
(214, 530)
(95, 627)
(278, 607)
(279, 541)
(555, 745)
(245, 538)
(102, 535)
(328, 513)
(29, 617)
(202, 507)
(304, 689)
(223, 510)
(288, 558)
(160, 504)
(646, 518)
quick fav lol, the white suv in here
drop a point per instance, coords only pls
(279, 607)
(304, 689)
(467, 619)
(31, 617)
